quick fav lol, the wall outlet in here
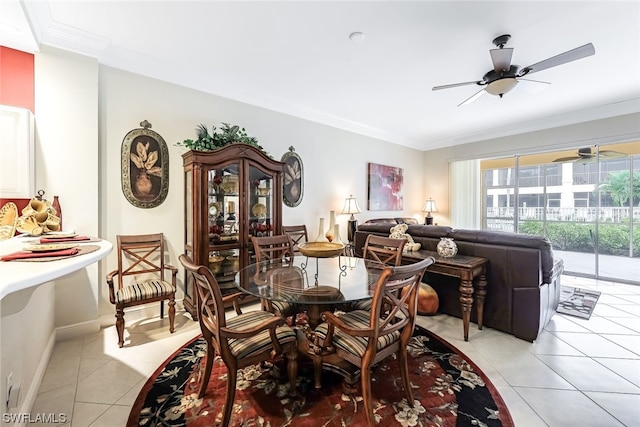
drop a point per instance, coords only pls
(13, 395)
(9, 386)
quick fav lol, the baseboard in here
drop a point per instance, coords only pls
(31, 394)
(77, 330)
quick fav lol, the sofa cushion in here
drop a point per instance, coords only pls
(381, 221)
(433, 231)
(406, 220)
(508, 239)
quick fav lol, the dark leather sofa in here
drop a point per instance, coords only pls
(523, 275)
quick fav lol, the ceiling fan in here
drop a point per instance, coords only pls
(585, 155)
(505, 76)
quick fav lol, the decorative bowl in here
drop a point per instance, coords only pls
(234, 260)
(321, 249)
(215, 262)
(229, 184)
(321, 293)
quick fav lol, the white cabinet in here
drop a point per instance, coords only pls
(17, 145)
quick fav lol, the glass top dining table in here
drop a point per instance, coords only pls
(311, 281)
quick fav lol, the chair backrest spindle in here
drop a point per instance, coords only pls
(273, 248)
(298, 234)
(384, 250)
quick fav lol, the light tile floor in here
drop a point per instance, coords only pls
(577, 373)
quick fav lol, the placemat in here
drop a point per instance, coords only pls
(82, 250)
(37, 240)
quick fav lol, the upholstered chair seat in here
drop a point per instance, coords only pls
(261, 341)
(354, 344)
(143, 291)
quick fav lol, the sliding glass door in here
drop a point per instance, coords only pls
(619, 218)
(588, 205)
(571, 215)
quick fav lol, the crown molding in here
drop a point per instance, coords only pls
(48, 32)
(605, 111)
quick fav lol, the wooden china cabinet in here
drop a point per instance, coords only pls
(231, 194)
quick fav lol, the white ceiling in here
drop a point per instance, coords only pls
(296, 57)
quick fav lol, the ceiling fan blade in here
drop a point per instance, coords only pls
(567, 159)
(472, 98)
(611, 153)
(585, 160)
(455, 85)
(562, 58)
(534, 81)
(532, 86)
(501, 59)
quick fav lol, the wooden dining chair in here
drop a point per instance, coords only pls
(246, 339)
(384, 250)
(276, 249)
(298, 234)
(140, 277)
(364, 338)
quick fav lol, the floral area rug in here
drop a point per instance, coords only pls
(449, 390)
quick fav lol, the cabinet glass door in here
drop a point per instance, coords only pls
(188, 214)
(260, 202)
(223, 225)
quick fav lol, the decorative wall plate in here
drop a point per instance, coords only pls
(145, 167)
(293, 179)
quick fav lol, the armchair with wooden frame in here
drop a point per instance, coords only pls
(384, 250)
(140, 277)
(298, 234)
(364, 338)
(246, 339)
(277, 249)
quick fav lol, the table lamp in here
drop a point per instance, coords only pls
(351, 207)
(429, 206)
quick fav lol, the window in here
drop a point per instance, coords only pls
(584, 206)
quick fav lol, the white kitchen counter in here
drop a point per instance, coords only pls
(18, 275)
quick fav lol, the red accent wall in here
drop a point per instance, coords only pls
(17, 86)
(20, 203)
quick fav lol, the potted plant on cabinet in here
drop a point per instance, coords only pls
(218, 138)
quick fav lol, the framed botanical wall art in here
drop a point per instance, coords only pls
(384, 188)
(293, 180)
(145, 167)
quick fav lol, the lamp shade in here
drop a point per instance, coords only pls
(501, 86)
(430, 206)
(351, 205)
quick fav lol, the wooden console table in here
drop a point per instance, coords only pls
(469, 270)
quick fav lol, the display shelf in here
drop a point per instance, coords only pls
(231, 194)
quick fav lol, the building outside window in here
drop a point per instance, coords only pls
(589, 208)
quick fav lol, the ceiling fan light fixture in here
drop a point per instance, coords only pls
(501, 86)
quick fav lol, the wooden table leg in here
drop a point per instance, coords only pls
(314, 311)
(482, 291)
(466, 301)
